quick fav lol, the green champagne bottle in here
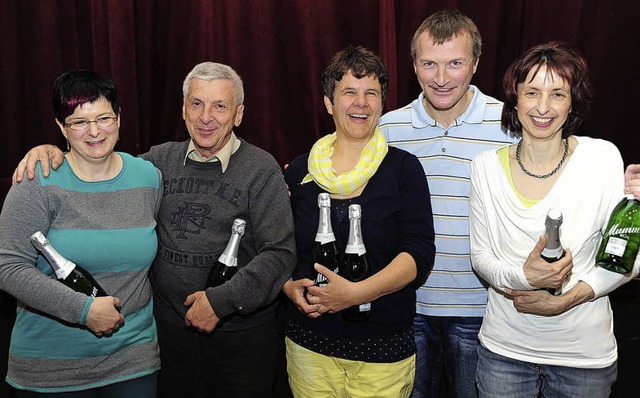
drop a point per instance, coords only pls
(621, 240)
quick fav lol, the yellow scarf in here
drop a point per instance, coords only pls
(321, 171)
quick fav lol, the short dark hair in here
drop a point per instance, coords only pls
(565, 62)
(361, 62)
(77, 87)
(443, 26)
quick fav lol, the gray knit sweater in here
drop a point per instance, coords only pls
(194, 224)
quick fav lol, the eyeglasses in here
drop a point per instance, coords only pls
(82, 125)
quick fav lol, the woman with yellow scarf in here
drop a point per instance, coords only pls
(328, 355)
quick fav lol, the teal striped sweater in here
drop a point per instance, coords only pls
(108, 227)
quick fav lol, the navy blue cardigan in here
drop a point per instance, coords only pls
(396, 217)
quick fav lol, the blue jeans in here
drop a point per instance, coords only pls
(499, 376)
(447, 353)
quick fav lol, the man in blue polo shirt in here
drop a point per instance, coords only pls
(448, 124)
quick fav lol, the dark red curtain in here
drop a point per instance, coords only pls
(279, 48)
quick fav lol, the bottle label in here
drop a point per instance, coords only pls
(355, 249)
(229, 261)
(554, 254)
(62, 273)
(321, 280)
(365, 307)
(325, 237)
(616, 246)
(616, 230)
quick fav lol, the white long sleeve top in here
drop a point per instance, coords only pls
(503, 233)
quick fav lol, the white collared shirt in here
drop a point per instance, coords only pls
(223, 155)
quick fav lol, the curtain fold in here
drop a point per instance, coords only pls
(388, 50)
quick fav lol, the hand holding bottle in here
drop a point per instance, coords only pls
(104, 318)
(541, 274)
(297, 291)
(338, 293)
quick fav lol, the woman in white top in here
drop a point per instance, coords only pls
(532, 342)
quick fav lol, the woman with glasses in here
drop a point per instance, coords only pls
(97, 210)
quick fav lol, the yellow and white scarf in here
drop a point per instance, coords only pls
(321, 170)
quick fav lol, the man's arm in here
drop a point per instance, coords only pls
(35, 155)
(259, 282)
(39, 154)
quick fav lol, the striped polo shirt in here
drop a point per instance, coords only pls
(452, 288)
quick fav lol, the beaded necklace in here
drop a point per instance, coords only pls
(552, 172)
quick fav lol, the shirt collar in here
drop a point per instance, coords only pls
(473, 114)
(223, 155)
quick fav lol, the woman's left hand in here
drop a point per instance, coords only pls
(537, 302)
(541, 302)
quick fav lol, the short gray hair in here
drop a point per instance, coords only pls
(214, 71)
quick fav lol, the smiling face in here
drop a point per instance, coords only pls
(356, 106)
(95, 143)
(210, 114)
(544, 103)
(444, 72)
